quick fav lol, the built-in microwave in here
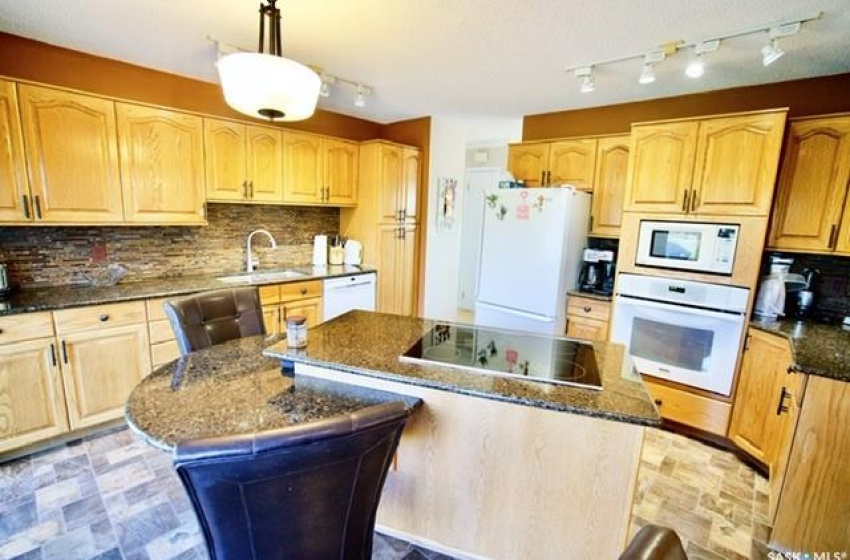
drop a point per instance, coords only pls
(694, 246)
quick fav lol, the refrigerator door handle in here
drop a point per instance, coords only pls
(518, 313)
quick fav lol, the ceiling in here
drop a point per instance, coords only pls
(457, 58)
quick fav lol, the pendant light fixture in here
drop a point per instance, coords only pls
(269, 86)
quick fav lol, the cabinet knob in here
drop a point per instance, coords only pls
(586, 309)
(303, 291)
(658, 402)
(1, 331)
(104, 318)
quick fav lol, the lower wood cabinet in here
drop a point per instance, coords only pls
(281, 301)
(32, 397)
(164, 346)
(587, 318)
(397, 278)
(696, 411)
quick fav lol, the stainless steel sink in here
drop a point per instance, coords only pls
(261, 277)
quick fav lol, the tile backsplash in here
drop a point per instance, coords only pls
(51, 256)
(832, 287)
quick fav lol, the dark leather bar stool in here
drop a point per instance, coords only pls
(308, 491)
(202, 320)
(654, 542)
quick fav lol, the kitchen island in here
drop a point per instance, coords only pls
(493, 466)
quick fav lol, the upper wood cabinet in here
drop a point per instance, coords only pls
(410, 162)
(244, 162)
(14, 190)
(812, 210)
(540, 164)
(712, 166)
(612, 163)
(162, 165)
(319, 170)
(72, 156)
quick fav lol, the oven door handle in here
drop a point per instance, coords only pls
(730, 316)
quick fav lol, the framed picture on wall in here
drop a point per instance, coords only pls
(446, 199)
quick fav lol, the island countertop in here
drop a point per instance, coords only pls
(231, 389)
(370, 344)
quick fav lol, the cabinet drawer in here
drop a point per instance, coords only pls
(269, 294)
(164, 352)
(27, 326)
(160, 331)
(99, 316)
(155, 309)
(588, 308)
(689, 409)
(300, 290)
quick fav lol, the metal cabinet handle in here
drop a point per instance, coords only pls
(244, 189)
(780, 408)
(26, 207)
(53, 354)
(832, 236)
(37, 208)
(251, 188)
(685, 201)
(64, 352)
(398, 217)
(403, 214)
(694, 200)
(586, 309)
(549, 177)
(542, 178)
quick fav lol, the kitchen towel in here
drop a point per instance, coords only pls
(320, 250)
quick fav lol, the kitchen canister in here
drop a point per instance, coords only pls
(296, 331)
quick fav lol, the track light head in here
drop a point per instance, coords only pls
(360, 94)
(771, 52)
(696, 67)
(585, 74)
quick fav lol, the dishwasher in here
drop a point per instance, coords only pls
(349, 292)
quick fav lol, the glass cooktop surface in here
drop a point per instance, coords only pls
(506, 353)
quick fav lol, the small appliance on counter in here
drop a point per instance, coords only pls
(770, 300)
(353, 252)
(802, 303)
(5, 283)
(597, 272)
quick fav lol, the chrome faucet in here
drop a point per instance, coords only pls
(251, 263)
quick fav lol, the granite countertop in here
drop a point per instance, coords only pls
(818, 348)
(370, 344)
(231, 389)
(599, 297)
(62, 297)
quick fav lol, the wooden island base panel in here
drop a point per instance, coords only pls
(501, 480)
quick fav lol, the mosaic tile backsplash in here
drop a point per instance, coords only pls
(52, 256)
(832, 287)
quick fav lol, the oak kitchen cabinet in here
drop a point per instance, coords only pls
(32, 397)
(587, 318)
(812, 209)
(70, 140)
(104, 353)
(386, 221)
(162, 165)
(15, 194)
(244, 162)
(319, 170)
(281, 301)
(164, 347)
(724, 165)
(541, 164)
(609, 186)
(691, 409)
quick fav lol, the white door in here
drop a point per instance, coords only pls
(477, 181)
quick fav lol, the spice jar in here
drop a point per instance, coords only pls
(296, 331)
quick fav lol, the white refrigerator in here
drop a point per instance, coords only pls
(531, 247)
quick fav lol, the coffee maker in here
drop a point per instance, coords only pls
(597, 272)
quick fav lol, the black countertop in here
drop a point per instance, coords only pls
(62, 297)
(369, 344)
(818, 348)
(231, 389)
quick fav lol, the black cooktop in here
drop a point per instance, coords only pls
(507, 353)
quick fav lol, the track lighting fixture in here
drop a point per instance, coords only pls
(771, 52)
(327, 82)
(360, 93)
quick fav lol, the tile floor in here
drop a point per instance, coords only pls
(110, 496)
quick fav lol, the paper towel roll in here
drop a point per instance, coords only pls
(320, 250)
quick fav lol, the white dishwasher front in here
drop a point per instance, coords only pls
(349, 292)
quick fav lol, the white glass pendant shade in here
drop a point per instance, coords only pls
(269, 87)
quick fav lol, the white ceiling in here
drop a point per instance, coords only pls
(457, 58)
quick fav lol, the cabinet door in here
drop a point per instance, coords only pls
(264, 160)
(755, 426)
(272, 319)
(14, 191)
(341, 170)
(794, 386)
(71, 143)
(661, 167)
(573, 162)
(227, 177)
(612, 164)
(406, 275)
(586, 329)
(303, 168)
(162, 165)
(389, 183)
(100, 368)
(410, 184)
(812, 185)
(389, 244)
(529, 163)
(736, 164)
(311, 309)
(32, 401)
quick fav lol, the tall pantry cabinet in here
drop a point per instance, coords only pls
(386, 221)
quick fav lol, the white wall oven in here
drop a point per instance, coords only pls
(679, 330)
(692, 246)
